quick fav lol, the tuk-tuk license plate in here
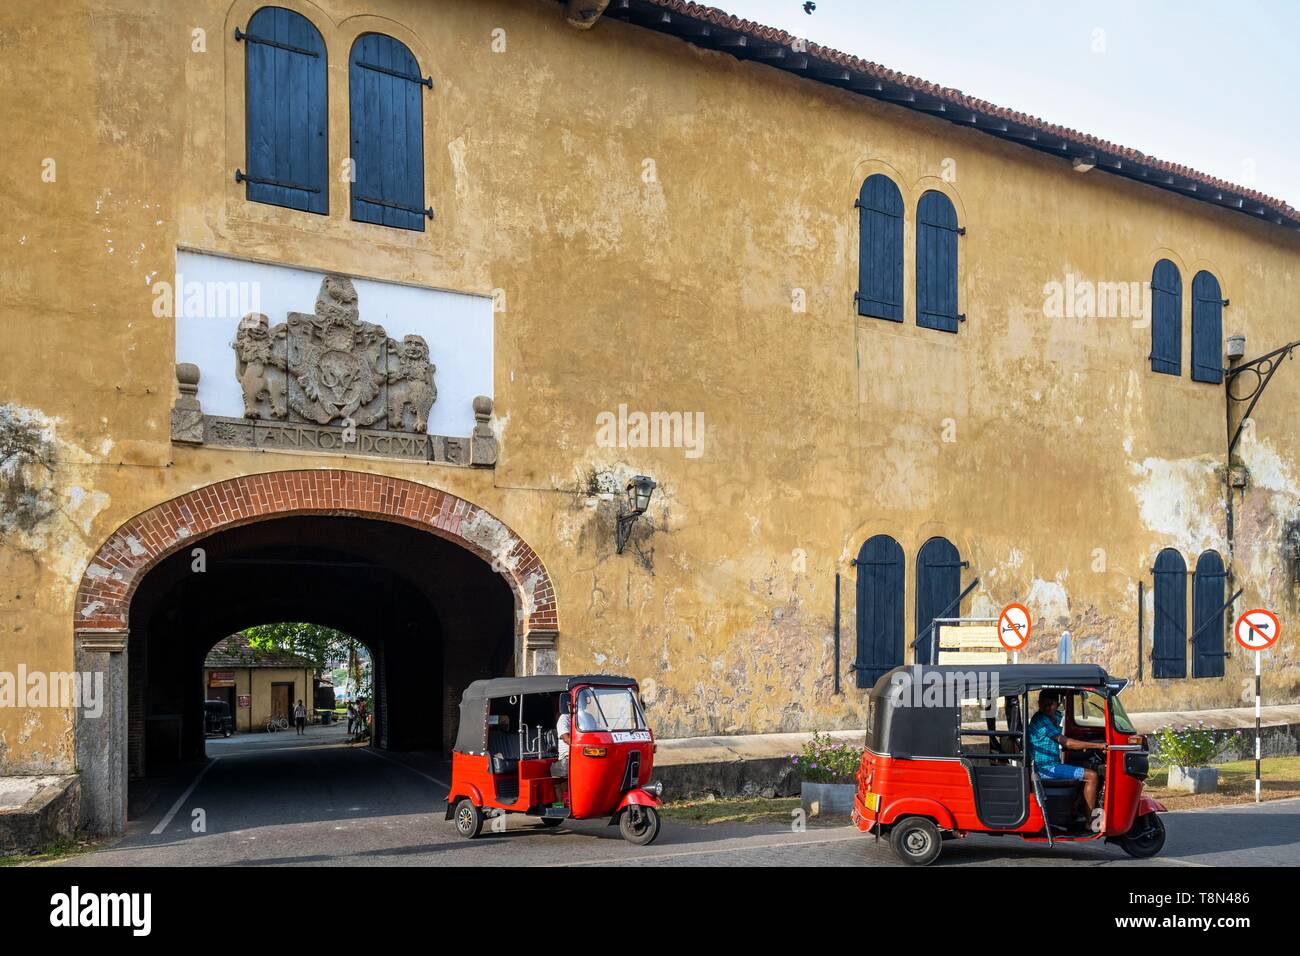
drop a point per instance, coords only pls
(871, 801)
(631, 736)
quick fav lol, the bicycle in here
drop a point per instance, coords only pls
(274, 723)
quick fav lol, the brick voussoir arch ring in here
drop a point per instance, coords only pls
(104, 596)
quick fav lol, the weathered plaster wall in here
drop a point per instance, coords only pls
(646, 210)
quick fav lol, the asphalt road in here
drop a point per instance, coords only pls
(284, 800)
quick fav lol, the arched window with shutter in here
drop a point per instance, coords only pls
(1166, 319)
(286, 121)
(879, 569)
(1207, 329)
(386, 93)
(1169, 653)
(880, 249)
(936, 262)
(938, 585)
(1208, 615)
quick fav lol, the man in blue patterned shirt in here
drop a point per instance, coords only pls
(1046, 740)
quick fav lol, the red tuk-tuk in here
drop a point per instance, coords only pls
(507, 749)
(928, 775)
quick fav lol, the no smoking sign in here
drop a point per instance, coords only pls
(1257, 629)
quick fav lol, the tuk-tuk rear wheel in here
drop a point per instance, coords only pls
(639, 825)
(469, 818)
(916, 841)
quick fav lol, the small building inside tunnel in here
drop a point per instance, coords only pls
(433, 615)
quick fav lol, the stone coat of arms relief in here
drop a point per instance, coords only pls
(313, 381)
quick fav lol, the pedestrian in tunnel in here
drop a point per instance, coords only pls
(352, 716)
(300, 717)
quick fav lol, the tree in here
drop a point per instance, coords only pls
(323, 646)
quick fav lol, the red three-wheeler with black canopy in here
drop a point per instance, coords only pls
(509, 755)
(948, 753)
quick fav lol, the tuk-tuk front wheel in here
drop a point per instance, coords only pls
(915, 841)
(469, 818)
(639, 825)
(1146, 838)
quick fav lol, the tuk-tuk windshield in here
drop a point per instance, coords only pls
(1119, 716)
(608, 708)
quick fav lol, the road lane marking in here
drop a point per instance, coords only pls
(180, 801)
(418, 773)
(714, 849)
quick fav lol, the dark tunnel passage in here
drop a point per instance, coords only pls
(433, 615)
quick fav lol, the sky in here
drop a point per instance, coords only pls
(1213, 86)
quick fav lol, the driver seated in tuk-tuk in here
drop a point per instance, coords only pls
(1046, 738)
(588, 720)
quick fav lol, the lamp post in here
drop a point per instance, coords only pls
(639, 490)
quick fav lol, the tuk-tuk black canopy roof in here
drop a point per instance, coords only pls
(471, 736)
(907, 725)
(1012, 679)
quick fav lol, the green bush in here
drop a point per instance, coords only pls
(825, 760)
(1190, 747)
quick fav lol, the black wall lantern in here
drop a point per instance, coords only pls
(639, 490)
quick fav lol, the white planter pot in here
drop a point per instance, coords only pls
(1194, 779)
(819, 799)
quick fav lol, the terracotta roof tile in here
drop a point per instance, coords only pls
(235, 651)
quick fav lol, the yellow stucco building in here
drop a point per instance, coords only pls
(859, 330)
(257, 684)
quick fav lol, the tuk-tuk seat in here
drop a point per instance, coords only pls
(503, 750)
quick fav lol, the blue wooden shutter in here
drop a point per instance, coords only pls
(1208, 616)
(387, 105)
(936, 262)
(938, 584)
(1207, 329)
(880, 249)
(880, 609)
(1166, 319)
(1169, 657)
(287, 141)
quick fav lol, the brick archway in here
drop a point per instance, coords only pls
(104, 596)
(102, 610)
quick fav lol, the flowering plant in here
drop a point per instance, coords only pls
(1192, 746)
(826, 760)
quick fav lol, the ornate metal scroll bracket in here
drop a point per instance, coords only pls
(1259, 372)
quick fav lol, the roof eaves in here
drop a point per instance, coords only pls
(711, 28)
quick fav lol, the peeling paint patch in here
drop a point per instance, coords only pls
(1179, 501)
(84, 506)
(1049, 601)
(27, 456)
(90, 609)
(1266, 467)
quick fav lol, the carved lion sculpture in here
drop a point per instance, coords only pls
(259, 366)
(410, 385)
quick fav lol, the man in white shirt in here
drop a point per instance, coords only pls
(561, 767)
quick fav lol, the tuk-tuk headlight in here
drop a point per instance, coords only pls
(657, 788)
